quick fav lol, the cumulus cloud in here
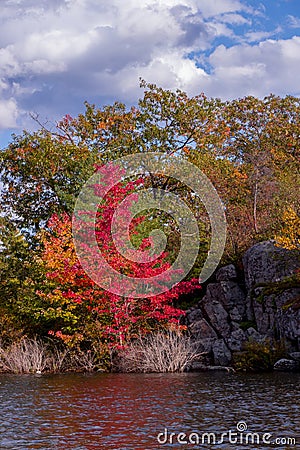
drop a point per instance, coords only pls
(269, 66)
(54, 54)
(8, 113)
(258, 36)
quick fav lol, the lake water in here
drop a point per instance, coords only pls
(135, 411)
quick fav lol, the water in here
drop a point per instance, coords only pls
(128, 411)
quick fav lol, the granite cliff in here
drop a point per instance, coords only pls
(261, 304)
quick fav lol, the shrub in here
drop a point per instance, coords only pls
(259, 356)
(24, 356)
(161, 352)
(35, 356)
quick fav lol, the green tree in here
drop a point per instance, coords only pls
(44, 171)
(248, 147)
(21, 273)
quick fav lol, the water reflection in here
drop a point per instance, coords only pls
(127, 411)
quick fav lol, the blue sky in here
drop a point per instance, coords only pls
(55, 54)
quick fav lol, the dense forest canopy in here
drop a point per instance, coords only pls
(248, 148)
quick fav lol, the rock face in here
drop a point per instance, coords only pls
(252, 307)
(265, 264)
(286, 365)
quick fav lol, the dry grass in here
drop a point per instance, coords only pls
(24, 356)
(162, 352)
(35, 356)
(84, 361)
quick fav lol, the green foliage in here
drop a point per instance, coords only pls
(249, 148)
(21, 273)
(259, 356)
(42, 173)
(172, 122)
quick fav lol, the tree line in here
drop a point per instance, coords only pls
(248, 148)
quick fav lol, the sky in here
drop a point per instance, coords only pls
(55, 54)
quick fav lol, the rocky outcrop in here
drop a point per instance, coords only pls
(254, 306)
(266, 267)
(286, 365)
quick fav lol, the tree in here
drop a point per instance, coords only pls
(44, 171)
(256, 168)
(232, 186)
(20, 275)
(248, 147)
(42, 174)
(289, 236)
(264, 142)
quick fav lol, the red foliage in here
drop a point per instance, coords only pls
(121, 317)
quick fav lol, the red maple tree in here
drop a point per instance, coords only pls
(73, 296)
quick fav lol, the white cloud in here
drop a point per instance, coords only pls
(234, 19)
(257, 70)
(8, 113)
(9, 65)
(54, 54)
(87, 46)
(293, 21)
(210, 8)
(257, 36)
(176, 71)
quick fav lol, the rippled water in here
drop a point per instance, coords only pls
(128, 411)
